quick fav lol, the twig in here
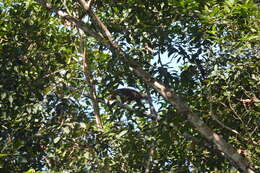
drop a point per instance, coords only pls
(215, 118)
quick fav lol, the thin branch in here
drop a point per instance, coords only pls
(85, 5)
(221, 124)
(215, 118)
(89, 78)
(253, 100)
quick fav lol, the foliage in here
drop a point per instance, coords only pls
(46, 114)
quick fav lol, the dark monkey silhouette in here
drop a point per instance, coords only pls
(128, 95)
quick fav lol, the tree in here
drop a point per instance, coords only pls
(68, 57)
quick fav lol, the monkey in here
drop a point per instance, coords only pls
(127, 95)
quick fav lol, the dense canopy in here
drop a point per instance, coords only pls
(196, 63)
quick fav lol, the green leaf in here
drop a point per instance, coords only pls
(56, 140)
(66, 130)
(3, 95)
(11, 99)
(3, 155)
(30, 171)
(122, 133)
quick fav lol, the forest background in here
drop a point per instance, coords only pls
(60, 61)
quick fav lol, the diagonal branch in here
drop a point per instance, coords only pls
(86, 5)
(97, 21)
(72, 19)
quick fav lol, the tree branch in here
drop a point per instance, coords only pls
(97, 22)
(92, 88)
(72, 19)
(86, 5)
